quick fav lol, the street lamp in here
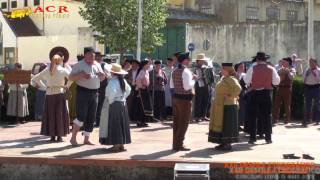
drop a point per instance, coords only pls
(140, 2)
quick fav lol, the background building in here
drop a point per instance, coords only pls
(53, 23)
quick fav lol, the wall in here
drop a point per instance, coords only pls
(67, 24)
(9, 38)
(240, 42)
(41, 47)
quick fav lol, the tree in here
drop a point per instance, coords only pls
(116, 22)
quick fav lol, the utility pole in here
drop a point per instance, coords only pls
(140, 2)
(311, 29)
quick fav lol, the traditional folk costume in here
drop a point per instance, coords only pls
(72, 102)
(260, 78)
(182, 83)
(18, 100)
(158, 81)
(242, 115)
(1, 98)
(312, 93)
(131, 79)
(224, 128)
(202, 93)
(55, 121)
(102, 93)
(40, 94)
(87, 94)
(144, 106)
(168, 94)
(284, 91)
(114, 126)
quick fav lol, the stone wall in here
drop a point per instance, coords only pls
(237, 42)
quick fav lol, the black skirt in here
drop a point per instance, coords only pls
(230, 131)
(118, 125)
(146, 102)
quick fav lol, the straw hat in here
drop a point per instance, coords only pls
(201, 57)
(117, 69)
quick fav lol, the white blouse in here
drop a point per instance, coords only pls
(56, 83)
(114, 92)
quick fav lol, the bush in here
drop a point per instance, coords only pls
(297, 106)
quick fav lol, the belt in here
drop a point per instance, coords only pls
(80, 88)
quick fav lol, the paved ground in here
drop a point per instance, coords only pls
(154, 143)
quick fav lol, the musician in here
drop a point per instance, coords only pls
(284, 91)
(201, 90)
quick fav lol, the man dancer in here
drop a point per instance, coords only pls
(312, 92)
(202, 96)
(87, 74)
(284, 91)
(182, 82)
(261, 77)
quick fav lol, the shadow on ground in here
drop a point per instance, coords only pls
(153, 156)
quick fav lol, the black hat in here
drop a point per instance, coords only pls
(289, 60)
(157, 62)
(135, 61)
(261, 56)
(144, 62)
(169, 59)
(177, 54)
(61, 51)
(182, 57)
(227, 64)
(88, 50)
(98, 53)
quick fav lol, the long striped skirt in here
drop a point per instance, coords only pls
(18, 104)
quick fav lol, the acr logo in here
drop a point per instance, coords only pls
(20, 13)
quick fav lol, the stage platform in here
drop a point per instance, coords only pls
(21, 145)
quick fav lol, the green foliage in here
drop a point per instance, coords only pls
(116, 21)
(297, 105)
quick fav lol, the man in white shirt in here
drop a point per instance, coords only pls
(87, 74)
(311, 81)
(261, 78)
(182, 83)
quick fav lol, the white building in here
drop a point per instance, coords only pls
(52, 23)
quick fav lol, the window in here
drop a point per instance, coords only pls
(4, 5)
(273, 13)
(252, 13)
(36, 2)
(13, 4)
(25, 3)
(292, 15)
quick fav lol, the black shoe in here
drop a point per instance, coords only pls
(251, 141)
(227, 147)
(59, 139)
(184, 149)
(290, 156)
(269, 141)
(53, 138)
(144, 125)
(307, 156)
(261, 136)
(219, 147)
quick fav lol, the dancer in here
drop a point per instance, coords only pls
(55, 122)
(224, 128)
(182, 82)
(114, 126)
(87, 74)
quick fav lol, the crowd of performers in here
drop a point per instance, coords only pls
(99, 93)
